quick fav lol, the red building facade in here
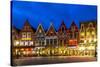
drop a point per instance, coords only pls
(73, 35)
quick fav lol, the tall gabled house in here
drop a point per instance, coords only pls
(82, 34)
(74, 35)
(62, 35)
(88, 37)
(26, 43)
(51, 37)
(88, 31)
(40, 37)
(27, 34)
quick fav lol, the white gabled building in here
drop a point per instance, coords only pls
(51, 37)
(40, 37)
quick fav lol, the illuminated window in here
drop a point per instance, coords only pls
(22, 49)
(82, 34)
(16, 43)
(26, 43)
(87, 33)
(93, 33)
(23, 35)
(29, 35)
(21, 43)
(95, 40)
(31, 43)
(16, 50)
(40, 31)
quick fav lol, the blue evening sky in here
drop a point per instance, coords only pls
(46, 13)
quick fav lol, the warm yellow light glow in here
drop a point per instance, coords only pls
(82, 48)
(87, 33)
(17, 43)
(37, 52)
(26, 39)
(60, 51)
(24, 52)
(90, 40)
(82, 34)
(16, 50)
(18, 53)
(84, 41)
(40, 31)
(22, 49)
(93, 33)
(64, 51)
(91, 47)
(95, 40)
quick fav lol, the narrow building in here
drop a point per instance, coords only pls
(88, 37)
(40, 37)
(74, 35)
(25, 45)
(51, 37)
(62, 35)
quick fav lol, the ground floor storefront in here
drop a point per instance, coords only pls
(50, 51)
